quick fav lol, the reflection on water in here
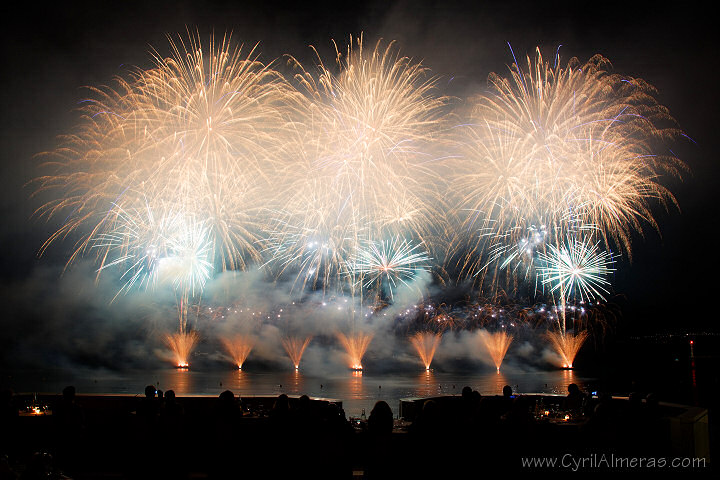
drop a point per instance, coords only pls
(500, 380)
(356, 389)
(568, 376)
(356, 384)
(426, 384)
(242, 382)
(179, 380)
(296, 382)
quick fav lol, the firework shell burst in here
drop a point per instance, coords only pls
(557, 142)
(201, 130)
(364, 166)
(390, 263)
(576, 268)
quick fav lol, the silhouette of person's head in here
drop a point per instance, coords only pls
(150, 391)
(282, 402)
(573, 389)
(507, 391)
(430, 410)
(382, 408)
(381, 418)
(170, 396)
(227, 397)
(69, 393)
(466, 392)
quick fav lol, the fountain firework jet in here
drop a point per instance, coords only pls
(238, 347)
(497, 344)
(295, 347)
(182, 344)
(567, 345)
(425, 344)
(355, 346)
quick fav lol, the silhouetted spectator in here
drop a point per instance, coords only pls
(172, 424)
(506, 400)
(226, 422)
(425, 431)
(381, 457)
(171, 413)
(380, 422)
(149, 408)
(464, 413)
(601, 429)
(228, 410)
(429, 422)
(67, 414)
(146, 436)
(69, 422)
(575, 399)
(280, 412)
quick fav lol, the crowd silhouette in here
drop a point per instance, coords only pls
(158, 435)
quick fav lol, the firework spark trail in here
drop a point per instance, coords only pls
(295, 347)
(576, 269)
(157, 246)
(201, 131)
(497, 344)
(355, 345)
(239, 347)
(556, 143)
(425, 344)
(388, 263)
(364, 168)
(182, 345)
(567, 345)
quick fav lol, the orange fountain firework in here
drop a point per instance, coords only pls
(295, 347)
(567, 345)
(425, 344)
(355, 345)
(497, 344)
(239, 347)
(182, 344)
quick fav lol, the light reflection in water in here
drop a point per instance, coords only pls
(356, 384)
(356, 390)
(180, 380)
(500, 381)
(296, 383)
(427, 386)
(242, 382)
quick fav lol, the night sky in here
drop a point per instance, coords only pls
(50, 53)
